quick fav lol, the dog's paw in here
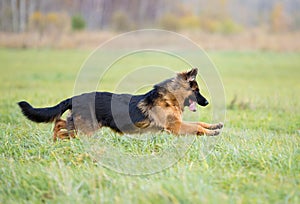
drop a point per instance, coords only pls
(220, 125)
(213, 132)
(215, 126)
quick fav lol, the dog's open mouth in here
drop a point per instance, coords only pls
(192, 105)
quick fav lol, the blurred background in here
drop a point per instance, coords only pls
(215, 24)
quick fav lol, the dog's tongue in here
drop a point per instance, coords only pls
(192, 105)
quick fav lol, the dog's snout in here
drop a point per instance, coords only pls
(206, 103)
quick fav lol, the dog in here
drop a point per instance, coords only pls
(160, 109)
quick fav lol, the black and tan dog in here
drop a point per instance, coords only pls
(157, 110)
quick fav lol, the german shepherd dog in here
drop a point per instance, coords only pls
(160, 109)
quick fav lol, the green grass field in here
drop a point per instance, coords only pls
(255, 160)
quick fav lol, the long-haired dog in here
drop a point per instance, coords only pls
(160, 109)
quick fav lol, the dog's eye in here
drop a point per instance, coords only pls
(194, 85)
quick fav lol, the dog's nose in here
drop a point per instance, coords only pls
(206, 103)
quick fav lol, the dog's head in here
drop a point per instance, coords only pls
(182, 90)
(191, 93)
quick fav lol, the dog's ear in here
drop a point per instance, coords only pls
(189, 75)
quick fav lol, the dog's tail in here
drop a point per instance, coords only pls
(45, 115)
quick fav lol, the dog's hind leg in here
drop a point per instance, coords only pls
(71, 127)
(59, 126)
(62, 130)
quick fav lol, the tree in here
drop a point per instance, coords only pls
(78, 22)
(14, 11)
(22, 15)
(278, 21)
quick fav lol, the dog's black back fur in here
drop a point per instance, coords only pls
(125, 105)
(110, 107)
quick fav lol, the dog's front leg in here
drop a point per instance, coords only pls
(184, 128)
(210, 126)
(209, 132)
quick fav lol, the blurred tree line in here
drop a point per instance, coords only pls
(221, 16)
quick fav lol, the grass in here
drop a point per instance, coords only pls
(255, 160)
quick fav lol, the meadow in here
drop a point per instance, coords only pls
(256, 159)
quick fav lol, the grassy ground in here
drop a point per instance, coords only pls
(255, 160)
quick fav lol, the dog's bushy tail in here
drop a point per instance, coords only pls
(45, 115)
